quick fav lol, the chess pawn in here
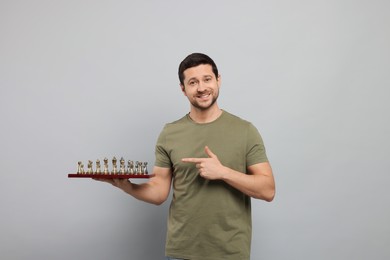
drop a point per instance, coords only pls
(79, 167)
(105, 169)
(114, 167)
(90, 171)
(130, 167)
(139, 167)
(122, 168)
(98, 170)
(145, 169)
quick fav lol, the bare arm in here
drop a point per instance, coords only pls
(155, 191)
(259, 183)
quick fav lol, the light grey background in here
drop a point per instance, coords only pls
(87, 79)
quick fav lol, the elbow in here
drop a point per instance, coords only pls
(270, 195)
(158, 201)
(267, 196)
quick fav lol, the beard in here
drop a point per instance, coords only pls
(204, 106)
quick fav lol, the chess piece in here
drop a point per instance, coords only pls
(136, 167)
(139, 167)
(105, 169)
(136, 164)
(145, 169)
(114, 167)
(90, 171)
(79, 167)
(98, 170)
(122, 168)
(82, 168)
(130, 167)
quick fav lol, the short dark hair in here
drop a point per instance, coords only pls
(194, 60)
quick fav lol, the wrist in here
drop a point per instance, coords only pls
(226, 173)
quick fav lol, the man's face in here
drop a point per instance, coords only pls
(201, 87)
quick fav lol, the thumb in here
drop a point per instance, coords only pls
(209, 152)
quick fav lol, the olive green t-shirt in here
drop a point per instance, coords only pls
(208, 219)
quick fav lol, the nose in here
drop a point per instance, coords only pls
(201, 87)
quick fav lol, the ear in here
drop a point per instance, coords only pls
(183, 89)
(219, 80)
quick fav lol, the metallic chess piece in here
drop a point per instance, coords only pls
(136, 167)
(130, 167)
(82, 168)
(139, 167)
(145, 168)
(122, 168)
(79, 167)
(105, 169)
(98, 170)
(114, 167)
(90, 170)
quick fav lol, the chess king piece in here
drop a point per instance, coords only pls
(79, 167)
(98, 170)
(145, 169)
(130, 167)
(90, 170)
(122, 167)
(114, 167)
(105, 169)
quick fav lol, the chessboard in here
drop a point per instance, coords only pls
(133, 169)
(110, 176)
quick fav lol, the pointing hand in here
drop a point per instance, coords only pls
(209, 168)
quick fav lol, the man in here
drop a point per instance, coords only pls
(216, 162)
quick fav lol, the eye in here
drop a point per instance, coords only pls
(208, 79)
(192, 83)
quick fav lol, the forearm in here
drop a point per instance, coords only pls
(155, 191)
(258, 183)
(259, 186)
(147, 192)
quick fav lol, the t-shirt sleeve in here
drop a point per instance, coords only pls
(255, 147)
(162, 157)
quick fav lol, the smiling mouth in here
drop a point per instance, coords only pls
(203, 95)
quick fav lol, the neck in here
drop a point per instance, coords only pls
(205, 116)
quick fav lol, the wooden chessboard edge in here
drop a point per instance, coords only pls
(110, 176)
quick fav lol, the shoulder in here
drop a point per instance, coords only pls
(174, 125)
(230, 118)
(239, 125)
(181, 120)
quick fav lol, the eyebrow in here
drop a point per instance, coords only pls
(204, 76)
